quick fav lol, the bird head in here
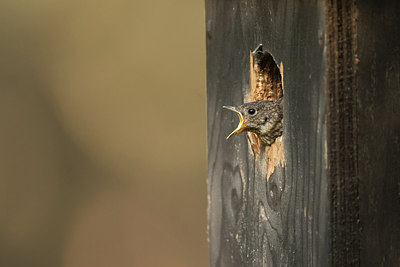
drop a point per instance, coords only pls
(263, 118)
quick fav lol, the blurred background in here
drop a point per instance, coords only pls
(103, 133)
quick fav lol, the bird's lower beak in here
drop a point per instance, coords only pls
(239, 128)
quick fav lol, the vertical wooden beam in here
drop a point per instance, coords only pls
(282, 220)
(378, 130)
(335, 200)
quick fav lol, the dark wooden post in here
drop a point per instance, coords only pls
(335, 197)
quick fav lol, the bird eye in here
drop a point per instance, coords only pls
(251, 111)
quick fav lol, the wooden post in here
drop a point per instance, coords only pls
(335, 198)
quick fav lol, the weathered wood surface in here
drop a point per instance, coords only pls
(342, 132)
(284, 221)
(378, 116)
(364, 131)
(336, 201)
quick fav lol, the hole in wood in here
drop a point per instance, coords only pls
(266, 83)
(262, 116)
(265, 76)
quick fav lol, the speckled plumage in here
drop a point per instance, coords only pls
(266, 122)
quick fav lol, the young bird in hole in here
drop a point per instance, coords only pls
(263, 118)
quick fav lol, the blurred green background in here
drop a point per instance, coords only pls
(103, 133)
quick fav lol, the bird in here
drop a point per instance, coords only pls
(263, 118)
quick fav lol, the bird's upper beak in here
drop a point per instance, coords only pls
(239, 128)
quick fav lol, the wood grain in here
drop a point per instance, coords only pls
(335, 200)
(285, 220)
(342, 132)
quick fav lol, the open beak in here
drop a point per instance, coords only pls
(239, 128)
